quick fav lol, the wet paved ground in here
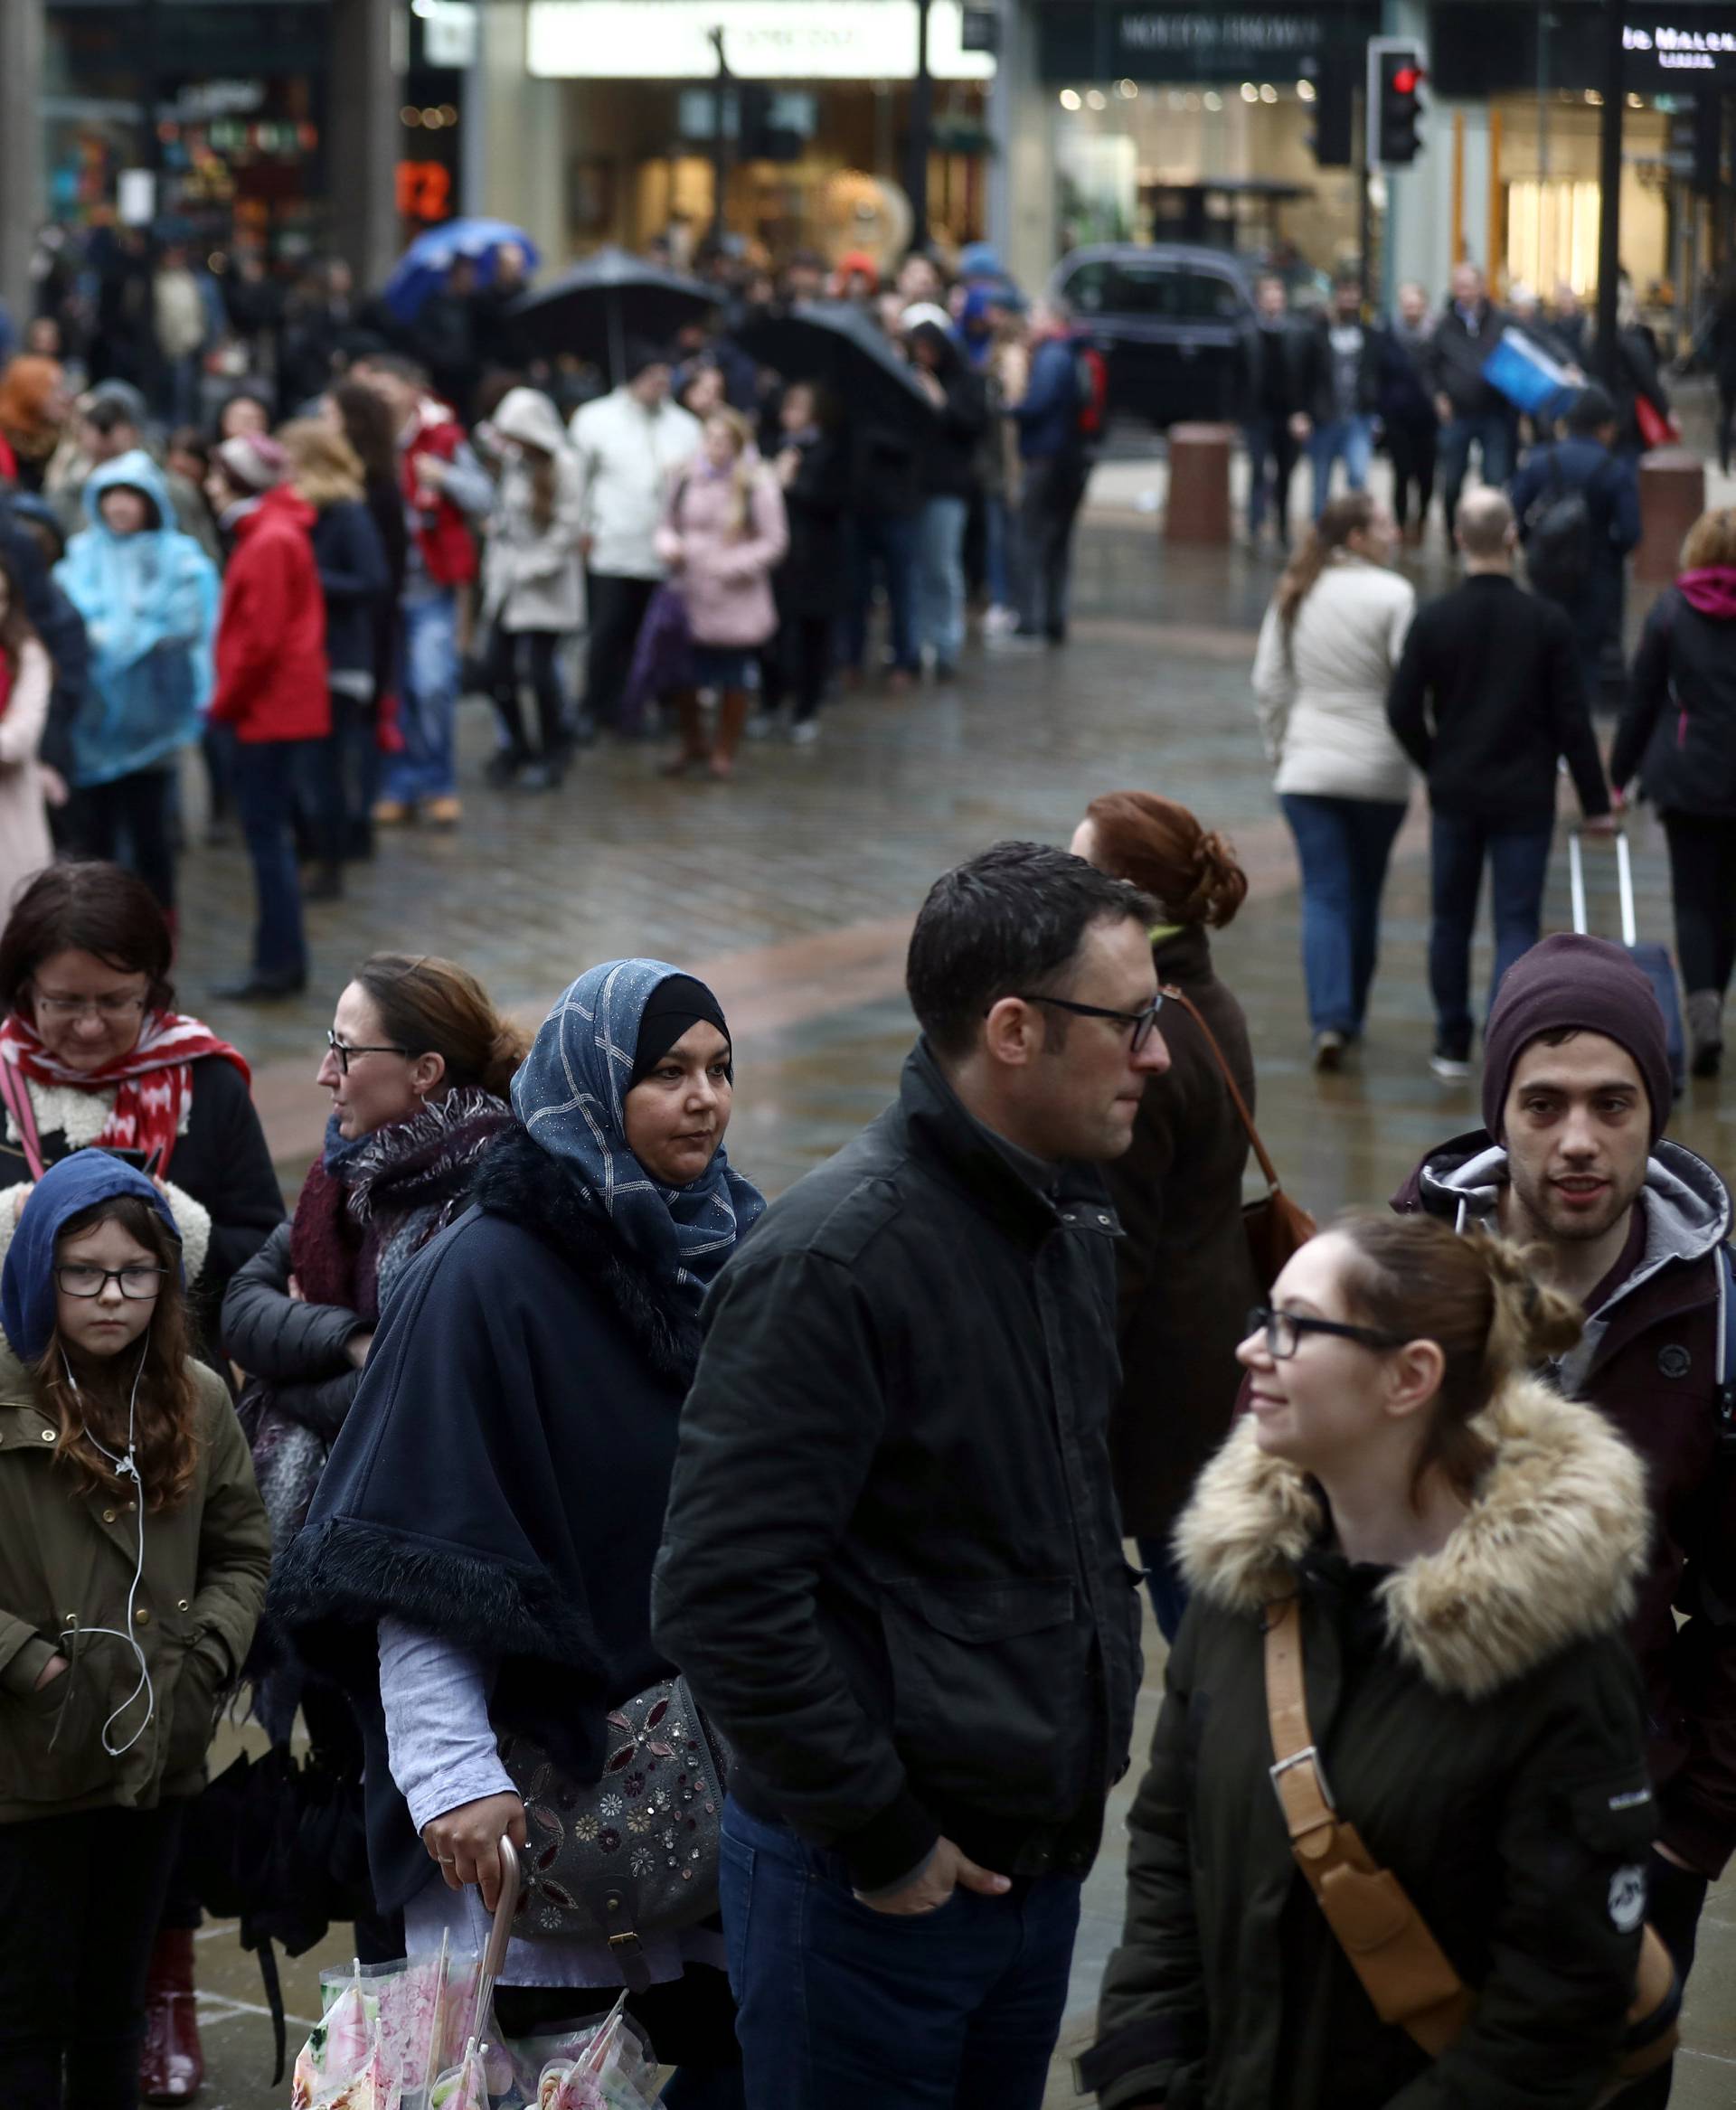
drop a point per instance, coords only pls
(794, 887)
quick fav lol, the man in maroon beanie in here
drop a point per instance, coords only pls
(1573, 1159)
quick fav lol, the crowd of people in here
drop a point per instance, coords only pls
(1414, 1465)
(305, 571)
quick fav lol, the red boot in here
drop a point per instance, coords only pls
(171, 2064)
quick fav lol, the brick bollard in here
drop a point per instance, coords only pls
(1199, 483)
(1672, 497)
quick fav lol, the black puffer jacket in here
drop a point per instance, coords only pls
(1679, 728)
(892, 1565)
(1479, 1719)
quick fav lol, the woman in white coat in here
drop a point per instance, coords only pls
(532, 591)
(1328, 649)
(26, 679)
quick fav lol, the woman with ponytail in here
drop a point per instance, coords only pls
(1457, 1547)
(1183, 1273)
(1327, 650)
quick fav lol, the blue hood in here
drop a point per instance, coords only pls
(137, 472)
(27, 1282)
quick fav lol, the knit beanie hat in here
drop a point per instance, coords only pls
(254, 461)
(1571, 984)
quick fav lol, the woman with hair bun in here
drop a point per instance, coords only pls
(1183, 1274)
(1452, 1548)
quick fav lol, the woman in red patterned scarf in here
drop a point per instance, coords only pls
(93, 1050)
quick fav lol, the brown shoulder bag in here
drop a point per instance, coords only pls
(1276, 1225)
(1403, 1969)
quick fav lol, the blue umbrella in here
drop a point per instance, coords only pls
(423, 266)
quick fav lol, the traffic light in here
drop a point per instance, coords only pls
(1395, 77)
(1331, 135)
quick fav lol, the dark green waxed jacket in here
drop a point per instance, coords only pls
(1480, 1721)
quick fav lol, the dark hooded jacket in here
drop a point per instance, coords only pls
(1477, 1720)
(500, 1480)
(1679, 728)
(1648, 1362)
(893, 1568)
(947, 465)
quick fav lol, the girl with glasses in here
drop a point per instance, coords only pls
(1457, 1546)
(133, 1558)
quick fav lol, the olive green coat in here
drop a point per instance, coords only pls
(67, 1562)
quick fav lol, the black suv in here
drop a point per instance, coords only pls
(1167, 317)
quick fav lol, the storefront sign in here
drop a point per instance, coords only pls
(1097, 40)
(763, 39)
(1675, 50)
(1478, 51)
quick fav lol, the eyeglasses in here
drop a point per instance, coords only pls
(74, 1007)
(1144, 1023)
(82, 1278)
(1283, 1332)
(344, 1051)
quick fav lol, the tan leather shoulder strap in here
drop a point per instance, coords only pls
(1172, 995)
(1403, 1968)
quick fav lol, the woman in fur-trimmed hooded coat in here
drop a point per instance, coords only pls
(478, 1556)
(1477, 1717)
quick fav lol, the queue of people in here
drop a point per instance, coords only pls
(1444, 1484)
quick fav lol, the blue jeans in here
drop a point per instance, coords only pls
(1518, 860)
(882, 545)
(840, 2006)
(1344, 845)
(428, 696)
(1352, 438)
(269, 775)
(1169, 1593)
(1491, 432)
(940, 578)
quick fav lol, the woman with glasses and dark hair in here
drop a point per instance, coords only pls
(133, 1560)
(1185, 1278)
(1441, 1551)
(93, 1050)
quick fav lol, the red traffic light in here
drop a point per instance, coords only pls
(1407, 80)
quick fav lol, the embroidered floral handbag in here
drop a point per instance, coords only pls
(635, 1855)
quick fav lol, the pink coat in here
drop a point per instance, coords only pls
(724, 578)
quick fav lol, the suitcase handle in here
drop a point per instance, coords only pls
(1624, 881)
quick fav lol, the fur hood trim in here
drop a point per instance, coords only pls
(520, 1181)
(428, 1158)
(1549, 1555)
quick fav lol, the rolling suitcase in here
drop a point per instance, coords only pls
(1653, 961)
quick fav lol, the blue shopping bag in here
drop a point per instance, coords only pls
(1540, 386)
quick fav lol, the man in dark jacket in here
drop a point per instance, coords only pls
(1272, 390)
(891, 1567)
(1057, 467)
(1485, 699)
(1578, 506)
(1471, 412)
(1573, 1158)
(1407, 411)
(1344, 385)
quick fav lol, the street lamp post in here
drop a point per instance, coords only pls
(1608, 357)
(916, 178)
(720, 141)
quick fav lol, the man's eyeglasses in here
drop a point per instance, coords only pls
(83, 1278)
(1283, 1332)
(344, 1051)
(1144, 1023)
(107, 1007)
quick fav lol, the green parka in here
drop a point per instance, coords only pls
(67, 1562)
(1480, 1721)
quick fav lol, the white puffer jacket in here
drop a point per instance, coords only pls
(1322, 691)
(629, 457)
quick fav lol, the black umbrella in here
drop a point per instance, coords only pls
(833, 343)
(593, 309)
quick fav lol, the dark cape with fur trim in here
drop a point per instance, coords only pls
(501, 1479)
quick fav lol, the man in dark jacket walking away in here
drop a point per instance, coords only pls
(1273, 394)
(1343, 392)
(1576, 1090)
(1485, 699)
(891, 1567)
(1471, 412)
(1578, 506)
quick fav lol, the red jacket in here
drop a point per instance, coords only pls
(443, 534)
(271, 672)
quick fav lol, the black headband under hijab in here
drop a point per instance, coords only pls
(678, 1003)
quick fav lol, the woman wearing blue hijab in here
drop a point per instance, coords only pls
(478, 1556)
